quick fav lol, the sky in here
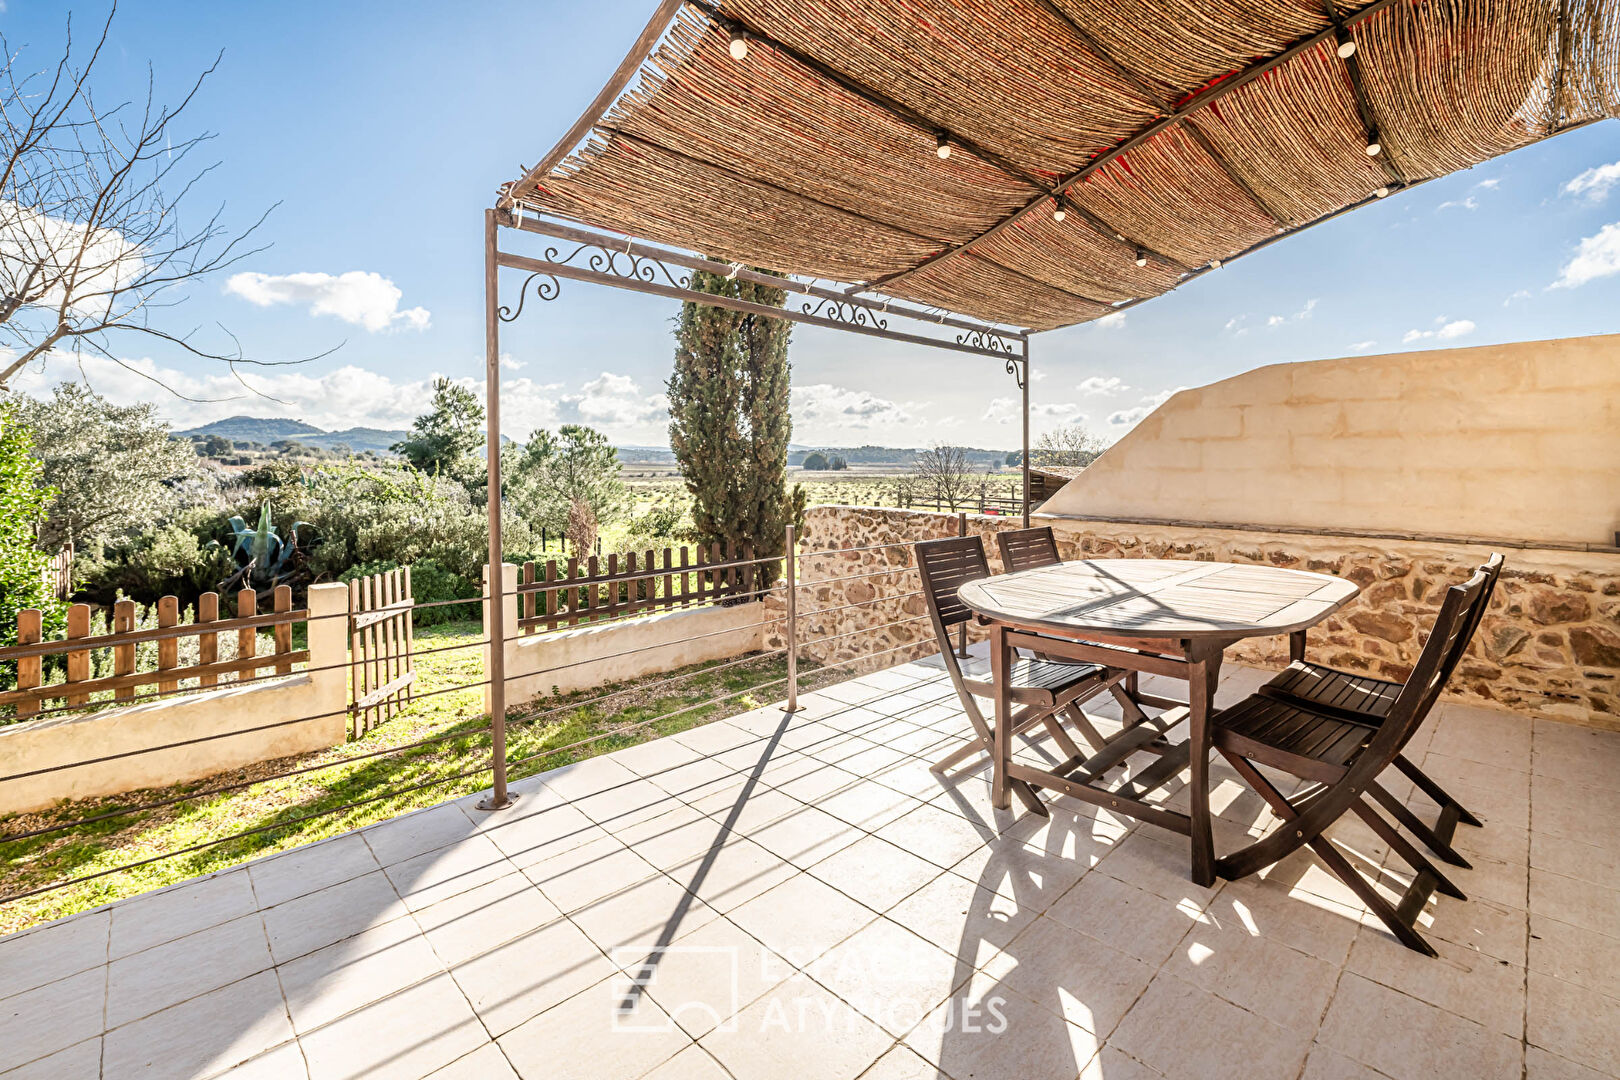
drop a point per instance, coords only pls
(380, 131)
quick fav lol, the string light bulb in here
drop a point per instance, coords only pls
(1141, 257)
(1058, 213)
(1215, 264)
(942, 144)
(739, 44)
(1347, 48)
(1381, 192)
(1374, 148)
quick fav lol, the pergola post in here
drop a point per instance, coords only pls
(498, 798)
(1023, 385)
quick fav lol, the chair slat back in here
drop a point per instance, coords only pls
(945, 566)
(1492, 569)
(1441, 653)
(1027, 549)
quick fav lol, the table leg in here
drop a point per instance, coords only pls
(1296, 645)
(1002, 742)
(1203, 673)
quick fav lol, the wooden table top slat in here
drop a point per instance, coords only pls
(1160, 598)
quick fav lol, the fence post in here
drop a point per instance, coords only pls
(208, 644)
(790, 556)
(123, 655)
(168, 649)
(78, 661)
(326, 637)
(30, 631)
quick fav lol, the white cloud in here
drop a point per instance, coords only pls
(108, 260)
(1238, 325)
(1102, 386)
(1006, 410)
(825, 406)
(612, 402)
(1445, 331)
(1490, 185)
(1516, 295)
(349, 396)
(360, 297)
(1125, 418)
(1115, 321)
(1598, 256)
(1362, 346)
(512, 363)
(1470, 203)
(1594, 184)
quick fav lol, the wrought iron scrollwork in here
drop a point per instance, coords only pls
(549, 288)
(845, 312)
(601, 259)
(987, 339)
(1018, 368)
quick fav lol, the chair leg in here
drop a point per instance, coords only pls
(1414, 858)
(1413, 824)
(1434, 791)
(1334, 861)
(1129, 708)
(1082, 722)
(1370, 896)
(1055, 728)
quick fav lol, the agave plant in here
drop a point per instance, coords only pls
(264, 559)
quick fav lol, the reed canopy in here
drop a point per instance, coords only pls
(1040, 163)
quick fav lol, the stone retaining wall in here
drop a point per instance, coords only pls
(1549, 646)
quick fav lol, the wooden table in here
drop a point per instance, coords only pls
(1164, 617)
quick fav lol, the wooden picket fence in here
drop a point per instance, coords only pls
(593, 589)
(121, 637)
(58, 573)
(381, 648)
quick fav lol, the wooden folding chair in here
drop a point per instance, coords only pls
(1042, 690)
(1363, 699)
(1343, 758)
(1027, 549)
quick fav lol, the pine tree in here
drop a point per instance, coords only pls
(729, 422)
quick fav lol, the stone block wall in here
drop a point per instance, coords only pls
(1549, 645)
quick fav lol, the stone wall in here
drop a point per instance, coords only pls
(1549, 645)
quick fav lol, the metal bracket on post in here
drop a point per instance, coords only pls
(790, 556)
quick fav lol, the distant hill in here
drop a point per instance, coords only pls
(855, 455)
(890, 455)
(265, 430)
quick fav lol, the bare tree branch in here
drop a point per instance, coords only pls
(91, 241)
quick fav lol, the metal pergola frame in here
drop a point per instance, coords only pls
(619, 262)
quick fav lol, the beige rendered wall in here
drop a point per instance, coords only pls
(320, 694)
(1519, 441)
(585, 657)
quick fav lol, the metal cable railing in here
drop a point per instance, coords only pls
(786, 620)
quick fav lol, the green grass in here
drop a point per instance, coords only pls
(275, 806)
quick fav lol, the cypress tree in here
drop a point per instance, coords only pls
(729, 422)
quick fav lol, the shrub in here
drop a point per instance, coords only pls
(23, 499)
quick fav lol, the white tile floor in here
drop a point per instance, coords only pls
(802, 898)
